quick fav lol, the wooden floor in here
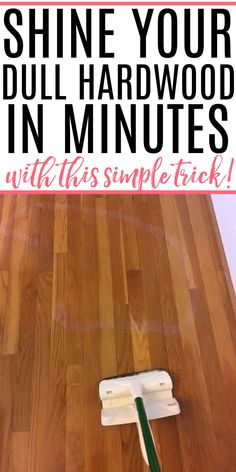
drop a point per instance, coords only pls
(98, 286)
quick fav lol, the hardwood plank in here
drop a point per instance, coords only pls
(105, 299)
(57, 374)
(117, 255)
(92, 368)
(3, 301)
(207, 341)
(217, 245)
(47, 206)
(161, 317)
(38, 431)
(22, 361)
(60, 224)
(6, 408)
(18, 451)
(140, 344)
(11, 328)
(112, 457)
(75, 321)
(74, 419)
(190, 429)
(6, 229)
(129, 234)
(125, 365)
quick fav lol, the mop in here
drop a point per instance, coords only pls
(139, 398)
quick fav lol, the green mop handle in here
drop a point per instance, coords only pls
(147, 436)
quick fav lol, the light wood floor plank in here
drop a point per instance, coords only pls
(18, 451)
(10, 338)
(38, 431)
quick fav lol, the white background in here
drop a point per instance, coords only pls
(125, 44)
